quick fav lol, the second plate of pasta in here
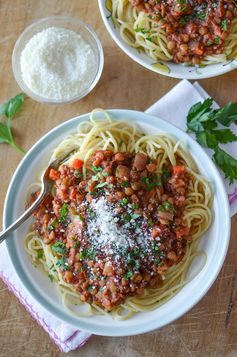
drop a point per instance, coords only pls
(177, 39)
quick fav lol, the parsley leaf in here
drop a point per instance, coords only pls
(226, 115)
(9, 110)
(227, 163)
(224, 136)
(199, 114)
(13, 106)
(206, 138)
(5, 136)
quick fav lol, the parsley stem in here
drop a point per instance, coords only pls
(18, 148)
(12, 142)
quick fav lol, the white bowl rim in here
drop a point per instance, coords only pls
(116, 331)
(77, 97)
(119, 41)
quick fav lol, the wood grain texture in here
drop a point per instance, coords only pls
(209, 329)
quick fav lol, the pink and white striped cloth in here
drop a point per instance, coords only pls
(172, 107)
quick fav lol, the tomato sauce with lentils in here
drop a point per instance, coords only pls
(117, 231)
(195, 28)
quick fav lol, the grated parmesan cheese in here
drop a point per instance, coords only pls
(57, 63)
(107, 235)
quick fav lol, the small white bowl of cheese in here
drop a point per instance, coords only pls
(57, 60)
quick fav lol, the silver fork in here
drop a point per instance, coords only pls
(47, 184)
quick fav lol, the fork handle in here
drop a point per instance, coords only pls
(6, 233)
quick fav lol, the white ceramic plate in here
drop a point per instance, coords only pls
(214, 243)
(166, 68)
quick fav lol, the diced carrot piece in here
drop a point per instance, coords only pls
(178, 169)
(198, 51)
(54, 174)
(182, 232)
(77, 164)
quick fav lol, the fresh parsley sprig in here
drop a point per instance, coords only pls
(9, 110)
(203, 120)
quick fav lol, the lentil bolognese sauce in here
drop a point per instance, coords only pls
(184, 31)
(121, 227)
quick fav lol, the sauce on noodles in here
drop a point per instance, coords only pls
(123, 223)
(194, 29)
(118, 230)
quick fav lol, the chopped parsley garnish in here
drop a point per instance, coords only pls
(96, 169)
(91, 212)
(84, 267)
(52, 225)
(155, 248)
(135, 206)
(59, 247)
(51, 277)
(224, 25)
(202, 15)
(135, 216)
(150, 38)
(128, 275)
(125, 184)
(62, 263)
(102, 184)
(39, 254)
(151, 223)
(135, 251)
(63, 214)
(88, 253)
(76, 245)
(216, 39)
(142, 30)
(166, 206)
(63, 210)
(95, 178)
(77, 174)
(150, 185)
(127, 217)
(158, 261)
(124, 201)
(80, 217)
(165, 175)
(145, 179)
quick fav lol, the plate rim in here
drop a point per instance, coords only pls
(120, 43)
(107, 331)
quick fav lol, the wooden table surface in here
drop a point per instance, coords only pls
(210, 328)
